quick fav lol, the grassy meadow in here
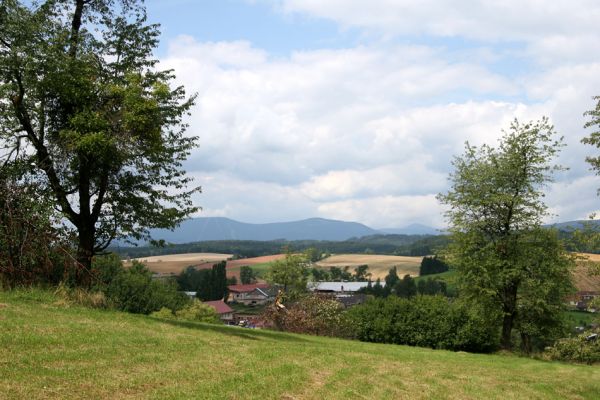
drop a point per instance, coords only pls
(49, 350)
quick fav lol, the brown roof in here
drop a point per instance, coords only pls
(247, 288)
(219, 306)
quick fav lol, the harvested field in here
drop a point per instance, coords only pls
(175, 263)
(584, 280)
(379, 265)
(260, 264)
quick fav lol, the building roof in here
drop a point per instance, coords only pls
(247, 288)
(219, 306)
(339, 286)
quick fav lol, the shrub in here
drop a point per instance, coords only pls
(194, 311)
(133, 289)
(311, 314)
(578, 349)
(427, 321)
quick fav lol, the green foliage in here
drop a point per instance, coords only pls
(32, 249)
(432, 265)
(405, 287)
(210, 284)
(80, 90)
(195, 311)
(594, 138)
(313, 315)
(361, 273)
(247, 275)
(133, 289)
(291, 273)
(578, 349)
(504, 259)
(431, 286)
(426, 321)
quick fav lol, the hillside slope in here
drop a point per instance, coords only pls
(49, 351)
(219, 228)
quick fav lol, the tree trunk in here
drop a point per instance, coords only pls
(85, 252)
(510, 313)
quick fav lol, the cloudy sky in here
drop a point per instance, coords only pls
(353, 109)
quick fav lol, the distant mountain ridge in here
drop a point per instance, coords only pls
(221, 228)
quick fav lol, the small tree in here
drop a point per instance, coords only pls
(406, 287)
(291, 273)
(247, 275)
(495, 216)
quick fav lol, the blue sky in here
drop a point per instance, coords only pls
(353, 109)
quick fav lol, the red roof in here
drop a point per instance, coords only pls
(219, 306)
(247, 288)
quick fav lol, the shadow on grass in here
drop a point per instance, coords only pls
(243, 333)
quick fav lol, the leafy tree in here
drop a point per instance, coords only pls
(432, 265)
(495, 215)
(247, 275)
(212, 283)
(291, 273)
(361, 273)
(320, 274)
(406, 287)
(313, 254)
(431, 287)
(82, 102)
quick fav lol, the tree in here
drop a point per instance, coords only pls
(82, 102)
(247, 275)
(291, 273)
(495, 213)
(211, 283)
(432, 265)
(361, 273)
(406, 287)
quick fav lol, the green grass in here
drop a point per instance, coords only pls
(450, 277)
(49, 351)
(580, 318)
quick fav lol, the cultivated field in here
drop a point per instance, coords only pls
(379, 265)
(584, 280)
(175, 263)
(50, 351)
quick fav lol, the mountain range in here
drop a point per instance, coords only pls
(220, 228)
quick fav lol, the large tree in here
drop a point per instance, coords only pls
(83, 102)
(504, 259)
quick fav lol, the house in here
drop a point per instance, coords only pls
(582, 300)
(225, 312)
(251, 294)
(344, 292)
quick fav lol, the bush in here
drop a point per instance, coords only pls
(313, 315)
(81, 297)
(133, 289)
(577, 349)
(426, 321)
(194, 311)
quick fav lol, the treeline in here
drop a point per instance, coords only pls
(404, 245)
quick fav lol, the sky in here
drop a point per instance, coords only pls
(354, 110)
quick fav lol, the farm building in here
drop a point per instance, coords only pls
(225, 312)
(338, 287)
(252, 294)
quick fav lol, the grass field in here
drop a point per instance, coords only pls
(379, 265)
(49, 351)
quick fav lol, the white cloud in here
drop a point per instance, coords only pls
(367, 133)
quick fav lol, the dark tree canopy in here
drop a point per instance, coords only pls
(82, 101)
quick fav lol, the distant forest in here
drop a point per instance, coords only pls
(403, 245)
